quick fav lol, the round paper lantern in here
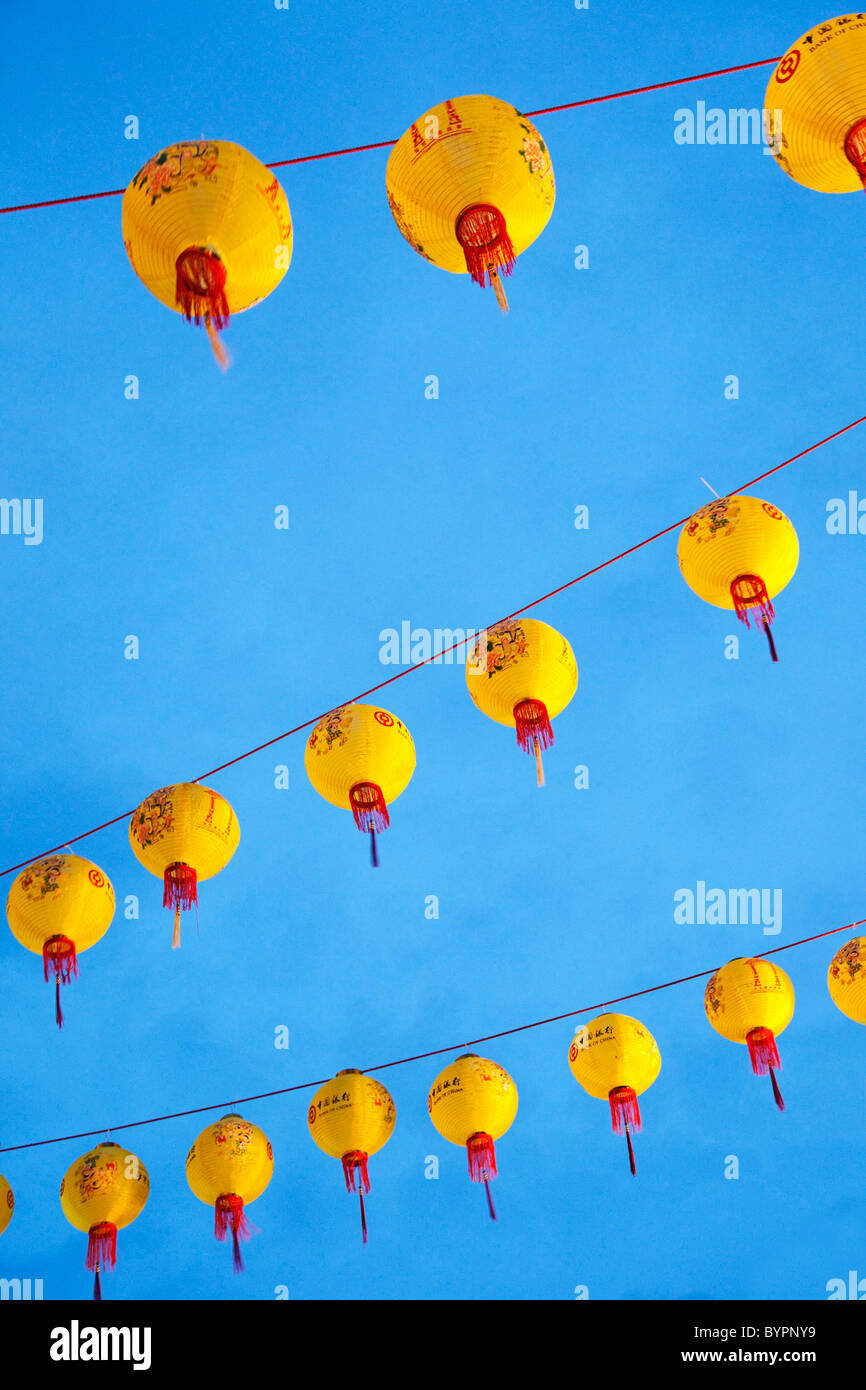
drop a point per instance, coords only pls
(846, 979)
(57, 908)
(816, 105)
(351, 1118)
(616, 1058)
(103, 1191)
(470, 186)
(750, 1000)
(523, 674)
(7, 1204)
(207, 228)
(361, 757)
(230, 1165)
(472, 1103)
(739, 552)
(183, 834)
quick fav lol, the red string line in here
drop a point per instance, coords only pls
(437, 656)
(418, 1056)
(386, 144)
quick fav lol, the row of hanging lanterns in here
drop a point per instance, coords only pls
(736, 552)
(207, 226)
(472, 1103)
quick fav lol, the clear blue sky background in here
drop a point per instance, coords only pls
(603, 387)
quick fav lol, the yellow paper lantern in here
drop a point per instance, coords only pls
(57, 908)
(7, 1204)
(846, 979)
(470, 186)
(815, 107)
(739, 552)
(183, 834)
(523, 673)
(103, 1191)
(351, 1118)
(230, 1165)
(472, 1103)
(361, 757)
(616, 1058)
(750, 1000)
(207, 228)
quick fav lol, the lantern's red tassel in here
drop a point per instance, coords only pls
(764, 1053)
(749, 591)
(487, 247)
(200, 293)
(624, 1109)
(533, 725)
(855, 148)
(102, 1246)
(482, 1157)
(369, 809)
(180, 891)
(229, 1215)
(58, 955)
(356, 1162)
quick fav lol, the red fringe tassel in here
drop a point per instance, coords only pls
(855, 148)
(482, 233)
(179, 887)
(229, 1215)
(370, 812)
(533, 725)
(749, 591)
(624, 1109)
(764, 1053)
(356, 1162)
(482, 1157)
(59, 956)
(101, 1252)
(200, 287)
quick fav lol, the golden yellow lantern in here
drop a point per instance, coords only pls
(351, 1118)
(103, 1191)
(522, 673)
(58, 907)
(815, 107)
(207, 228)
(750, 1000)
(739, 552)
(846, 979)
(472, 1103)
(616, 1058)
(230, 1165)
(183, 834)
(361, 757)
(470, 186)
(7, 1204)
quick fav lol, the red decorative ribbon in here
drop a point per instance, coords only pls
(356, 1162)
(764, 1053)
(101, 1252)
(59, 956)
(855, 148)
(229, 1214)
(625, 1113)
(482, 233)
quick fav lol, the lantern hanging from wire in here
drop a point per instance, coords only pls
(207, 228)
(616, 1058)
(472, 1103)
(738, 553)
(846, 979)
(351, 1118)
(103, 1191)
(228, 1167)
(58, 907)
(361, 758)
(471, 186)
(815, 107)
(7, 1203)
(751, 1000)
(522, 673)
(183, 834)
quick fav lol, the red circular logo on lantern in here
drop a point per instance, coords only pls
(381, 717)
(10, 1200)
(270, 1150)
(788, 66)
(572, 1052)
(311, 1115)
(772, 511)
(96, 878)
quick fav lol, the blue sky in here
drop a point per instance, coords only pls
(603, 387)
